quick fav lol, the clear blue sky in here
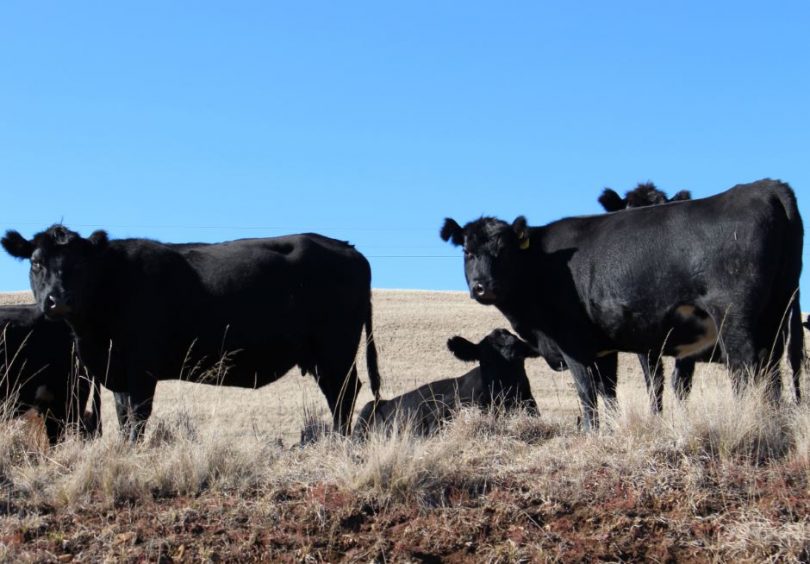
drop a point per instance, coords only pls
(372, 122)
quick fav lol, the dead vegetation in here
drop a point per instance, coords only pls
(714, 479)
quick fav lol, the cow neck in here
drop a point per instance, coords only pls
(99, 322)
(527, 307)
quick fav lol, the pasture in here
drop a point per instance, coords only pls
(219, 477)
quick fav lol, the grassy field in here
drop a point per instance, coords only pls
(219, 476)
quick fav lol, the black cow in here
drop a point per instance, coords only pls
(646, 194)
(240, 313)
(39, 371)
(500, 377)
(675, 278)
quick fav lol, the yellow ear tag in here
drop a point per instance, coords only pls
(524, 243)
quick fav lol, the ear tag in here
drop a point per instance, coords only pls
(524, 243)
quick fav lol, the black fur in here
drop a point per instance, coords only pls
(611, 201)
(597, 284)
(240, 313)
(451, 231)
(16, 245)
(646, 194)
(643, 195)
(37, 362)
(500, 377)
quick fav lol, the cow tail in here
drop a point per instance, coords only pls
(792, 270)
(371, 355)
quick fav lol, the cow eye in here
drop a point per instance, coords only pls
(36, 265)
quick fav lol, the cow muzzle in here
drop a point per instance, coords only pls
(56, 307)
(482, 294)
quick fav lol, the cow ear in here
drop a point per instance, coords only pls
(680, 196)
(611, 201)
(452, 231)
(99, 239)
(463, 349)
(17, 246)
(521, 229)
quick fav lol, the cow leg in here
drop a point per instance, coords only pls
(531, 407)
(585, 382)
(682, 377)
(54, 427)
(91, 422)
(122, 409)
(336, 373)
(748, 357)
(340, 388)
(654, 380)
(141, 397)
(606, 370)
(771, 371)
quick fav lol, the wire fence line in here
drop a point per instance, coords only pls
(403, 229)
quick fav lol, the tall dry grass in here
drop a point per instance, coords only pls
(474, 454)
(204, 439)
(180, 457)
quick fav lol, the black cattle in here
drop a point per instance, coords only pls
(500, 377)
(646, 194)
(240, 313)
(39, 372)
(677, 278)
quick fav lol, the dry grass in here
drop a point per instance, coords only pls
(218, 476)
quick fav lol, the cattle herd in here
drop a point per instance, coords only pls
(711, 280)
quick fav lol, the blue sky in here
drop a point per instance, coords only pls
(371, 122)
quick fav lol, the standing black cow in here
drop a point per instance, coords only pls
(675, 278)
(646, 194)
(39, 372)
(240, 313)
(500, 377)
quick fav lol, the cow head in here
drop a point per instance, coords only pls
(643, 195)
(681, 196)
(65, 267)
(492, 254)
(500, 351)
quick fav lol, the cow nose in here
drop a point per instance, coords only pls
(55, 306)
(479, 290)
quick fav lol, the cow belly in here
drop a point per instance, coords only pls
(251, 367)
(687, 330)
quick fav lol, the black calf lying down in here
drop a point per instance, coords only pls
(499, 378)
